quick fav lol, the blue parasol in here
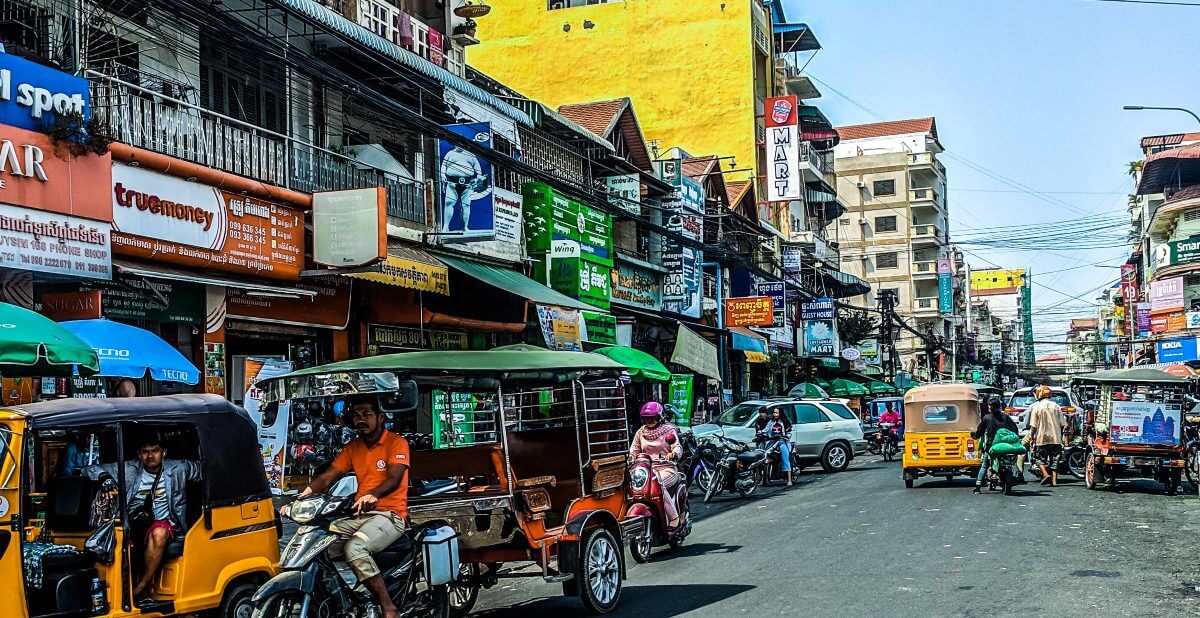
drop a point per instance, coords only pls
(129, 352)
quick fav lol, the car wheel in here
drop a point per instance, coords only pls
(1090, 471)
(835, 457)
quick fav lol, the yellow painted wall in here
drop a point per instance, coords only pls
(687, 65)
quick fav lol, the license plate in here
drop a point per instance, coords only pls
(972, 455)
(1144, 461)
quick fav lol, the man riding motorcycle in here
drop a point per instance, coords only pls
(777, 429)
(379, 459)
(660, 442)
(992, 422)
(893, 417)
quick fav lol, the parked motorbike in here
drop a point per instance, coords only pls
(1001, 475)
(1191, 441)
(740, 469)
(417, 568)
(646, 496)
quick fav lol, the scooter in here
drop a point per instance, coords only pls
(1000, 473)
(739, 468)
(888, 441)
(646, 496)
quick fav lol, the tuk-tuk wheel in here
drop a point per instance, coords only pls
(238, 601)
(1091, 472)
(598, 574)
(1171, 483)
(908, 483)
(464, 592)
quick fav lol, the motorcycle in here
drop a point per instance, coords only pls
(1000, 473)
(887, 443)
(1191, 441)
(646, 496)
(739, 468)
(417, 568)
(771, 445)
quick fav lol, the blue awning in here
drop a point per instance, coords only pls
(844, 285)
(356, 33)
(794, 38)
(747, 340)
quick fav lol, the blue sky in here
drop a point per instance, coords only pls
(1030, 90)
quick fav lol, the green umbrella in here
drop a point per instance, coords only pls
(823, 383)
(846, 388)
(880, 388)
(521, 347)
(808, 390)
(33, 345)
(640, 364)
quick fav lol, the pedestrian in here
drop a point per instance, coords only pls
(126, 388)
(1046, 423)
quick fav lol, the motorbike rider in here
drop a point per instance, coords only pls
(891, 416)
(993, 421)
(379, 459)
(660, 442)
(777, 428)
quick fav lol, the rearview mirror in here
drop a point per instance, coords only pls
(406, 398)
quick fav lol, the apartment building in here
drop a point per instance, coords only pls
(895, 231)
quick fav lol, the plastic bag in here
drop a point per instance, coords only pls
(103, 542)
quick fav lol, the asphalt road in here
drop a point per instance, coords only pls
(859, 543)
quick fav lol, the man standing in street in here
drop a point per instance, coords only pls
(1046, 433)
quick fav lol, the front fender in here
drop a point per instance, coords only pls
(639, 509)
(302, 581)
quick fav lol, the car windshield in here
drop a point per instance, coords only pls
(1024, 400)
(739, 414)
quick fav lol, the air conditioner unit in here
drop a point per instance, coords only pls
(861, 185)
(862, 221)
(556, 5)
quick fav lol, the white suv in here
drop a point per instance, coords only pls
(823, 430)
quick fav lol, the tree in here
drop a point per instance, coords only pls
(778, 364)
(854, 327)
(1135, 167)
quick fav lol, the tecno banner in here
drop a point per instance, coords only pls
(783, 150)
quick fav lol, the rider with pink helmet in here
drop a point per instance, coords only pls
(659, 441)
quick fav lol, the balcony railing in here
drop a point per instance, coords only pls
(383, 18)
(146, 119)
(926, 231)
(925, 267)
(820, 160)
(818, 246)
(925, 194)
(925, 305)
(926, 158)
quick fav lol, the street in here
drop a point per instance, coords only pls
(859, 543)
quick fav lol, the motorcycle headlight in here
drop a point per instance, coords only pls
(638, 478)
(305, 510)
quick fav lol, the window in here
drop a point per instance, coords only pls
(885, 224)
(566, 4)
(248, 88)
(886, 260)
(941, 413)
(807, 413)
(884, 187)
(739, 414)
(789, 412)
(841, 410)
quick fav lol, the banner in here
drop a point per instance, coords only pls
(560, 328)
(945, 286)
(1144, 422)
(466, 186)
(680, 395)
(820, 338)
(696, 353)
(749, 311)
(272, 432)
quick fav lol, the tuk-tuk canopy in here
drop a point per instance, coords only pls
(233, 468)
(920, 401)
(1128, 376)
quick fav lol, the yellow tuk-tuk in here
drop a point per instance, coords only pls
(229, 540)
(938, 421)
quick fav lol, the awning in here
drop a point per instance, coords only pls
(755, 357)
(514, 282)
(409, 267)
(696, 353)
(747, 340)
(815, 127)
(844, 285)
(794, 38)
(825, 204)
(1175, 168)
(829, 361)
(171, 274)
(353, 32)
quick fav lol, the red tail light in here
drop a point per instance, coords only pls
(970, 445)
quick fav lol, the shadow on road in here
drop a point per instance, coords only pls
(698, 549)
(658, 601)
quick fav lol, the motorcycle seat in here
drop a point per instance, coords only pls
(394, 554)
(750, 456)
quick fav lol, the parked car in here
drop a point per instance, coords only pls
(1022, 398)
(824, 431)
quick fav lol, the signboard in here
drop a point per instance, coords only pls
(684, 212)
(784, 182)
(272, 432)
(409, 338)
(1143, 319)
(1129, 283)
(600, 327)
(817, 309)
(996, 280)
(696, 353)
(1177, 350)
(626, 190)
(1192, 319)
(868, 350)
(1182, 251)
(793, 258)
(551, 217)
(32, 94)
(142, 299)
(582, 279)
(1166, 295)
(349, 227)
(170, 220)
(945, 286)
(37, 173)
(466, 208)
(406, 272)
(851, 354)
(680, 394)
(820, 338)
(560, 328)
(777, 291)
(637, 287)
(1144, 422)
(53, 243)
(749, 311)
(330, 308)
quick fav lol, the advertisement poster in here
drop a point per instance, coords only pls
(1166, 295)
(54, 243)
(1143, 319)
(684, 212)
(214, 368)
(601, 328)
(783, 150)
(1143, 422)
(749, 311)
(636, 287)
(680, 395)
(272, 432)
(820, 338)
(560, 328)
(466, 186)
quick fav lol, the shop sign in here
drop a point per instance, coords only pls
(945, 286)
(681, 396)
(52, 243)
(626, 192)
(1160, 255)
(1143, 319)
(31, 94)
(1192, 319)
(384, 336)
(467, 211)
(410, 273)
(129, 298)
(817, 309)
(636, 287)
(600, 327)
(684, 212)
(171, 220)
(695, 353)
(749, 311)
(1183, 251)
(70, 305)
(869, 350)
(553, 221)
(1177, 350)
(1175, 322)
(37, 173)
(582, 279)
(783, 150)
(793, 258)
(1129, 283)
(1166, 295)
(820, 338)
(560, 328)
(330, 308)
(349, 227)
(777, 291)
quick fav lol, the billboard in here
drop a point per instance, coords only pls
(749, 311)
(1145, 422)
(784, 182)
(467, 210)
(997, 280)
(1166, 295)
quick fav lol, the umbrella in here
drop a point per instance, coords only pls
(880, 388)
(846, 388)
(808, 390)
(129, 352)
(521, 347)
(639, 363)
(32, 344)
(823, 383)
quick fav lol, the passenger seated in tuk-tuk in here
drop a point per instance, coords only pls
(155, 493)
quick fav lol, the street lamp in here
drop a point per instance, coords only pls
(1138, 108)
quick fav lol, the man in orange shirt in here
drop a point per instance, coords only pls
(379, 459)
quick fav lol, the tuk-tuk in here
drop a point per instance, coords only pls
(230, 542)
(523, 453)
(938, 421)
(1136, 427)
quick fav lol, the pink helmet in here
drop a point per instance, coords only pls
(652, 409)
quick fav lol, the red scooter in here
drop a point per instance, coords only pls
(646, 495)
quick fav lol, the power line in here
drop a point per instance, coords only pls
(1158, 2)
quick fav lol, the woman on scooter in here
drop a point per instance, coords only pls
(660, 442)
(779, 428)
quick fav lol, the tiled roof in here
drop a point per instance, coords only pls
(737, 190)
(891, 127)
(1084, 323)
(699, 167)
(597, 116)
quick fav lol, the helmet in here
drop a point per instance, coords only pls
(652, 409)
(995, 403)
(1041, 392)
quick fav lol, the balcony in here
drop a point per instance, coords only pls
(789, 77)
(818, 166)
(926, 160)
(926, 234)
(925, 197)
(145, 119)
(924, 269)
(816, 245)
(383, 18)
(925, 307)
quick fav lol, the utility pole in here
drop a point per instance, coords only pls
(887, 307)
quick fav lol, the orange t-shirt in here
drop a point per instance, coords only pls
(369, 464)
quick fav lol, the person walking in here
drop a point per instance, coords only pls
(1046, 423)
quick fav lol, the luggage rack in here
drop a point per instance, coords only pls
(607, 427)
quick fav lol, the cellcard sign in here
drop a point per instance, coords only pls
(467, 210)
(31, 94)
(783, 150)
